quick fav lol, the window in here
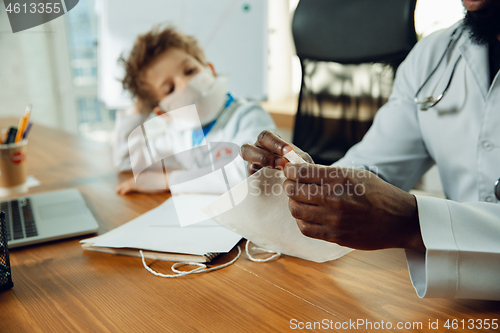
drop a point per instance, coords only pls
(94, 120)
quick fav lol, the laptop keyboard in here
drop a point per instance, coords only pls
(19, 219)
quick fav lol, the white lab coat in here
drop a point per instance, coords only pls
(239, 123)
(461, 135)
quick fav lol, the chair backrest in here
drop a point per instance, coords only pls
(354, 31)
(345, 32)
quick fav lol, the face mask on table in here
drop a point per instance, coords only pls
(257, 209)
(206, 91)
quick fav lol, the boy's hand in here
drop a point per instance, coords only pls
(129, 186)
(268, 151)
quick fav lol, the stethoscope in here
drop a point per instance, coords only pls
(429, 102)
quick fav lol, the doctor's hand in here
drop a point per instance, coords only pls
(268, 151)
(352, 207)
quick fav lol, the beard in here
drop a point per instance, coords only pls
(483, 26)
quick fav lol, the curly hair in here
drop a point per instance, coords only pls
(146, 49)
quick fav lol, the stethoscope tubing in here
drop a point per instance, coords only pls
(429, 102)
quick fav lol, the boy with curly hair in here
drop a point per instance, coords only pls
(167, 70)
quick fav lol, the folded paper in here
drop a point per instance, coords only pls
(261, 215)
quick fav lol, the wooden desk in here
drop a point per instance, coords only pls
(58, 287)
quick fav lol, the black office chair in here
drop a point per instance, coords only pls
(328, 35)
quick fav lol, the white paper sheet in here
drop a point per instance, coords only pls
(263, 217)
(187, 207)
(159, 230)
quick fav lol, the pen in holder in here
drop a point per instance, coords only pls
(5, 275)
(13, 168)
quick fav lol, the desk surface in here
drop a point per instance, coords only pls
(58, 287)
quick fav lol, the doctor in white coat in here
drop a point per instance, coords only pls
(452, 245)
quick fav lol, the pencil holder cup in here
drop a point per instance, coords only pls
(13, 168)
(5, 275)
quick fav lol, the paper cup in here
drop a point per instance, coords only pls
(13, 168)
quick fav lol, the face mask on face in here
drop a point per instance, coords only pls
(206, 91)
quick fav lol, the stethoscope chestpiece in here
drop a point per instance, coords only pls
(426, 103)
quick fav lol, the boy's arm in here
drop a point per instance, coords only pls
(126, 122)
(243, 127)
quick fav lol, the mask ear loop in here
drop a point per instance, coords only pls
(276, 254)
(202, 268)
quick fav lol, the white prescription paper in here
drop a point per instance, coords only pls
(263, 218)
(159, 230)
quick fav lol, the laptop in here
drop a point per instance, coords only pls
(47, 216)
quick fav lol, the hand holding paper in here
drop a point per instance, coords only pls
(269, 151)
(351, 207)
(262, 216)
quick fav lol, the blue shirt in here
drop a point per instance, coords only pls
(200, 134)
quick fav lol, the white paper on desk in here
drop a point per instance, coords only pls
(31, 181)
(159, 230)
(263, 218)
(187, 207)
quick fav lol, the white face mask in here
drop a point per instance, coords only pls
(207, 92)
(261, 215)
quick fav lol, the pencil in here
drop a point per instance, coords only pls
(23, 123)
(25, 134)
(27, 114)
(19, 133)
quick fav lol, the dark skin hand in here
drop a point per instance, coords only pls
(268, 151)
(350, 207)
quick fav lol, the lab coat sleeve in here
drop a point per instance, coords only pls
(463, 250)
(393, 147)
(125, 124)
(244, 126)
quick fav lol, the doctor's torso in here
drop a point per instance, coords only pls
(461, 133)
